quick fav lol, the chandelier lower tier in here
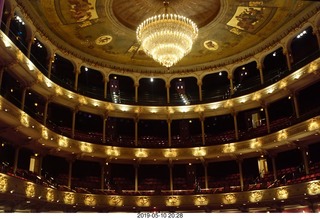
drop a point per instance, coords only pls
(167, 38)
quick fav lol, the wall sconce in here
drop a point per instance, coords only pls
(63, 142)
(228, 148)
(141, 153)
(282, 135)
(313, 188)
(83, 100)
(50, 195)
(44, 133)
(256, 196)
(30, 190)
(256, 143)
(143, 201)
(3, 183)
(256, 96)
(90, 200)
(86, 147)
(113, 152)
(199, 152)
(228, 104)
(24, 119)
(229, 199)
(313, 125)
(282, 193)
(115, 201)
(173, 201)
(201, 200)
(68, 198)
(169, 153)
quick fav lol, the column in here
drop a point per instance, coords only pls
(16, 159)
(200, 89)
(235, 125)
(170, 175)
(265, 108)
(305, 153)
(102, 177)
(1, 75)
(76, 79)
(105, 87)
(136, 92)
(287, 53)
(316, 31)
(136, 177)
(70, 173)
(136, 128)
(74, 122)
(260, 67)
(239, 161)
(8, 23)
(51, 61)
(23, 98)
(205, 165)
(296, 104)
(202, 129)
(104, 127)
(31, 40)
(230, 77)
(168, 92)
(169, 132)
(274, 167)
(45, 113)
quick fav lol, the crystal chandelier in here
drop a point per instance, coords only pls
(167, 38)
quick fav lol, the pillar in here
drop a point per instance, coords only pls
(8, 23)
(316, 31)
(102, 175)
(23, 98)
(202, 129)
(205, 165)
(266, 111)
(230, 77)
(171, 175)
(239, 161)
(105, 87)
(305, 153)
(70, 174)
(45, 113)
(168, 92)
(74, 122)
(76, 79)
(136, 177)
(200, 89)
(1, 75)
(104, 127)
(287, 53)
(274, 167)
(169, 132)
(31, 40)
(235, 125)
(260, 67)
(296, 104)
(51, 61)
(16, 159)
(136, 92)
(136, 128)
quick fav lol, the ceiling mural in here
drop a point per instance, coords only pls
(105, 30)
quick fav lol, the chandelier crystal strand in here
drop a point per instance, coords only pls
(167, 38)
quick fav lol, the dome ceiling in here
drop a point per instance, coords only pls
(103, 31)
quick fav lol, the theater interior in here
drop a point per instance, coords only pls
(90, 121)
